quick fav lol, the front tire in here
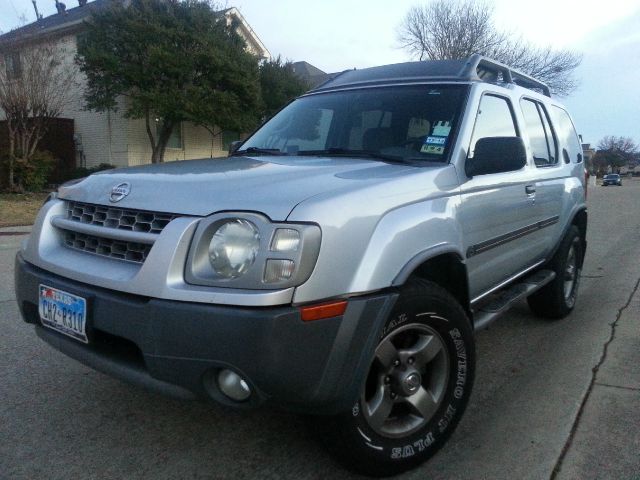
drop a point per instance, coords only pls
(417, 388)
(557, 299)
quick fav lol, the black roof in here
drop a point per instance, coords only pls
(57, 21)
(409, 71)
(476, 68)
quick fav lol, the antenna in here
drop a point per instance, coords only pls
(35, 7)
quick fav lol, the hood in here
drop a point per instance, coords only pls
(271, 185)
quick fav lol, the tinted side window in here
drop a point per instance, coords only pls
(567, 134)
(543, 145)
(548, 129)
(494, 119)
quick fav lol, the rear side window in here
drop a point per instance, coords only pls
(541, 139)
(569, 141)
(494, 119)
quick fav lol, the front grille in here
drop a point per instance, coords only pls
(120, 218)
(131, 251)
(118, 233)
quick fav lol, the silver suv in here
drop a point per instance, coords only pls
(337, 263)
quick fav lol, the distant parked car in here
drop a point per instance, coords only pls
(612, 179)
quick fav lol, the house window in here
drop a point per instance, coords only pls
(13, 66)
(175, 139)
(229, 136)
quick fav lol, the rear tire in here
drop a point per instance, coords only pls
(417, 388)
(557, 299)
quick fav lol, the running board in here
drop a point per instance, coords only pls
(504, 299)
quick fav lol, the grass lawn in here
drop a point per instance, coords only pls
(19, 208)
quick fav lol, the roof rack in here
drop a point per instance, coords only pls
(331, 78)
(475, 69)
(485, 69)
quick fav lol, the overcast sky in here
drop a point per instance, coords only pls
(335, 35)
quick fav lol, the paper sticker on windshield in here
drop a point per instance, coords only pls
(434, 145)
(442, 129)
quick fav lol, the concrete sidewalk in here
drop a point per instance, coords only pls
(605, 441)
(16, 230)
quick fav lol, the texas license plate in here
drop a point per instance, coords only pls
(63, 312)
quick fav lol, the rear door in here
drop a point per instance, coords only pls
(549, 162)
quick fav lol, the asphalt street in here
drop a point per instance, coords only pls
(551, 399)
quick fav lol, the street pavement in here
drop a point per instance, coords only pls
(554, 400)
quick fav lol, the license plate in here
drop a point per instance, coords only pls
(63, 312)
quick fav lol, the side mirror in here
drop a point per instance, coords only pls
(233, 146)
(496, 155)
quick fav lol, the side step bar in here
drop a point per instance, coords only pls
(501, 301)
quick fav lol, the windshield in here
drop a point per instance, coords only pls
(413, 123)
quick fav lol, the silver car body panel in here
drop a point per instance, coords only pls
(364, 249)
(378, 220)
(272, 185)
(161, 275)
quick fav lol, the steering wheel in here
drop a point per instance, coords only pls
(415, 143)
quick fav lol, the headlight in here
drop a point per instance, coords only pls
(247, 251)
(233, 248)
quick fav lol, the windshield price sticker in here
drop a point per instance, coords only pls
(442, 129)
(63, 312)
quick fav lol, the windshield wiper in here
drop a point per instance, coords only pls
(354, 153)
(257, 151)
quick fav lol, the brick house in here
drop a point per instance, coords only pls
(109, 137)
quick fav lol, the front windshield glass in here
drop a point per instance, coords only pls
(413, 123)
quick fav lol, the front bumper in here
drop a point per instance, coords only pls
(177, 347)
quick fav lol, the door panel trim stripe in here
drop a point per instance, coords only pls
(492, 243)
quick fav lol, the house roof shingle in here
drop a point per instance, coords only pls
(57, 21)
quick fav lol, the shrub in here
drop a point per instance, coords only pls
(32, 175)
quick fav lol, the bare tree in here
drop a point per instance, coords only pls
(624, 146)
(456, 29)
(554, 67)
(449, 30)
(614, 153)
(35, 85)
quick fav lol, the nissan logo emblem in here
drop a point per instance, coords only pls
(119, 192)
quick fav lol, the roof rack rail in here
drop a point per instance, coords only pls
(485, 69)
(331, 78)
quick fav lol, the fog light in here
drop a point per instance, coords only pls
(233, 385)
(278, 270)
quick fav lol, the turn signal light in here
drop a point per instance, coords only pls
(324, 310)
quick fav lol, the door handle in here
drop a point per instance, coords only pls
(530, 189)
